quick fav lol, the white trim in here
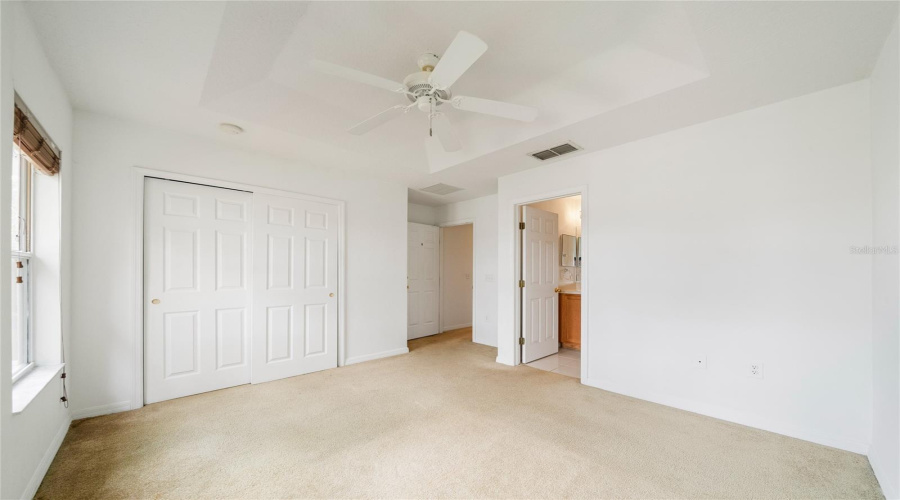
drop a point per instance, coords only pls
(460, 222)
(516, 259)
(889, 490)
(96, 411)
(27, 388)
(25, 370)
(44, 465)
(378, 355)
(139, 173)
(733, 416)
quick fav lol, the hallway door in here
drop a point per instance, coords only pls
(422, 285)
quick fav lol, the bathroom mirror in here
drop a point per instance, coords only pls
(578, 252)
(568, 250)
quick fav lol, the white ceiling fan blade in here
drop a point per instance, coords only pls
(442, 128)
(356, 75)
(377, 120)
(462, 53)
(496, 108)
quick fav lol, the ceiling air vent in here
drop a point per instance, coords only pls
(441, 189)
(556, 151)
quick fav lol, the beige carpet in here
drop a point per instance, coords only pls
(442, 421)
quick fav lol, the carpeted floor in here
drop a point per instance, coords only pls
(442, 421)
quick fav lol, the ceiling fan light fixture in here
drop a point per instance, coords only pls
(427, 61)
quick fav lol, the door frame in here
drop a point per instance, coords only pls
(516, 206)
(138, 176)
(453, 223)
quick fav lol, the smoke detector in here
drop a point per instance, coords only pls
(230, 128)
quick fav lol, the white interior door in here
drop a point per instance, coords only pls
(422, 281)
(540, 301)
(295, 284)
(196, 289)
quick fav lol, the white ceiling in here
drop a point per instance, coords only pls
(601, 73)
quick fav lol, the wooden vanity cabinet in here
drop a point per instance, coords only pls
(570, 320)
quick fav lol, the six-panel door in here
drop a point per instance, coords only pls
(197, 289)
(422, 273)
(540, 271)
(295, 284)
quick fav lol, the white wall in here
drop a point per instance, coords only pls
(483, 213)
(103, 321)
(456, 277)
(421, 214)
(730, 240)
(885, 126)
(29, 440)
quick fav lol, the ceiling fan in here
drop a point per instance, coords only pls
(429, 90)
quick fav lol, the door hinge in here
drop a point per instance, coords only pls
(521, 283)
(522, 226)
(521, 340)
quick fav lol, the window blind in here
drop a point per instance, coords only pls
(33, 142)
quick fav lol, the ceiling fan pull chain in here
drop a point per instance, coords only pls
(431, 118)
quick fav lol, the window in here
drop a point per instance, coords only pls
(21, 298)
(34, 189)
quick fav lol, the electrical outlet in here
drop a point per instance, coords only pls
(755, 370)
(700, 362)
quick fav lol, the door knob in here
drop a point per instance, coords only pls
(557, 290)
(331, 295)
(154, 301)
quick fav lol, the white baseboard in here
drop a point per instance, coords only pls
(889, 489)
(455, 327)
(35, 482)
(479, 341)
(377, 355)
(738, 417)
(96, 411)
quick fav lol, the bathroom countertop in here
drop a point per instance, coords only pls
(573, 288)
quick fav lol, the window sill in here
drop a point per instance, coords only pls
(31, 384)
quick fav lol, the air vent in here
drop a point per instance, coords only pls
(441, 189)
(555, 151)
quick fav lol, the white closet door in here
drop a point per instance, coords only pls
(422, 280)
(295, 276)
(540, 270)
(196, 289)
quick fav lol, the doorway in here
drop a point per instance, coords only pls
(551, 284)
(440, 276)
(457, 266)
